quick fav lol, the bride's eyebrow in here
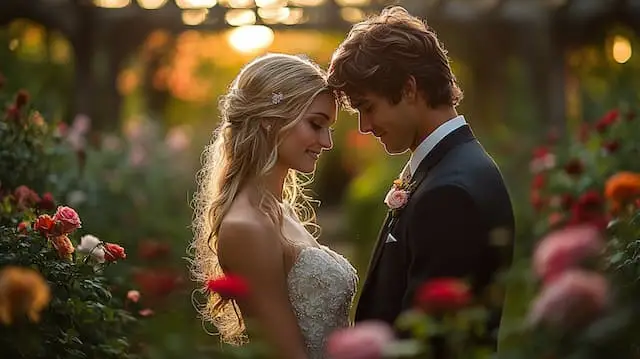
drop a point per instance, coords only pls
(322, 115)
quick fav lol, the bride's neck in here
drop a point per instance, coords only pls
(274, 182)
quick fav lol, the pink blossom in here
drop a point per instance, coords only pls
(364, 341)
(68, 219)
(396, 198)
(177, 139)
(146, 312)
(133, 295)
(566, 248)
(575, 298)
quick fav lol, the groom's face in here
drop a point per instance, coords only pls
(390, 123)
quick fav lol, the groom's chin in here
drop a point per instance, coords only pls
(394, 150)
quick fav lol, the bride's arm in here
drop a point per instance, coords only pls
(253, 250)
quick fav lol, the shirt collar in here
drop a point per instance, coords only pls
(432, 140)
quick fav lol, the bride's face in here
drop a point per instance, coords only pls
(303, 144)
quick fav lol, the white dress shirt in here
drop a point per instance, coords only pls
(432, 140)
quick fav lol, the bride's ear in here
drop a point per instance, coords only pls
(267, 124)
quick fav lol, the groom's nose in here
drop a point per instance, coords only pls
(364, 124)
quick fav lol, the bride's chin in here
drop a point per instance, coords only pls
(306, 169)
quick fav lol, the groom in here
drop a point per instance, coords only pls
(395, 73)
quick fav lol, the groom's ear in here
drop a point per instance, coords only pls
(410, 90)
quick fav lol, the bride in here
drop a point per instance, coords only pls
(252, 218)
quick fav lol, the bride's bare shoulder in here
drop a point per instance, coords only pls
(245, 232)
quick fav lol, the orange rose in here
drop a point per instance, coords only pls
(622, 188)
(44, 224)
(63, 245)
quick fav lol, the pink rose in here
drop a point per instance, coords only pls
(364, 341)
(396, 198)
(68, 219)
(566, 248)
(133, 295)
(574, 299)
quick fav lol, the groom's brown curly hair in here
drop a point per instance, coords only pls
(380, 53)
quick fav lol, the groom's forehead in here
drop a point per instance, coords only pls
(358, 100)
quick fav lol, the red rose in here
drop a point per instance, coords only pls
(583, 133)
(443, 294)
(567, 201)
(538, 181)
(607, 120)
(591, 199)
(22, 98)
(22, 227)
(537, 201)
(12, 113)
(611, 146)
(150, 249)
(574, 167)
(228, 287)
(44, 224)
(113, 252)
(631, 115)
(589, 209)
(47, 202)
(68, 219)
(158, 282)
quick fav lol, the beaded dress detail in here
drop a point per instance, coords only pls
(322, 285)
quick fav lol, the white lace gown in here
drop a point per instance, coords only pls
(322, 285)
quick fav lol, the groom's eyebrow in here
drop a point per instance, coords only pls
(356, 103)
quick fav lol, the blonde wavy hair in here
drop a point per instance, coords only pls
(266, 99)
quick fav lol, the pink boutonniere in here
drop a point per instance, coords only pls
(398, 195)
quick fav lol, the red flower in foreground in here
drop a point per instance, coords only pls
(228, 287)
(113, 252)
(443, 294)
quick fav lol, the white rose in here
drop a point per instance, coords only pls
(90, 244)
(396, 198)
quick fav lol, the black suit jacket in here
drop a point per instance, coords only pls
(443, 231)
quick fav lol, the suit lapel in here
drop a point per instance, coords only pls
(461, 135)
(381, 239)
(457, 137)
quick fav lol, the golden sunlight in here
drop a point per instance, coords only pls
(111, 4)
(250, 38)
(151, 4)
(240, 17)
(196, 4)
(621, 49)
(306, 2)
(194, 16)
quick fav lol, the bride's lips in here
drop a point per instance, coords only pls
(313, 154)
